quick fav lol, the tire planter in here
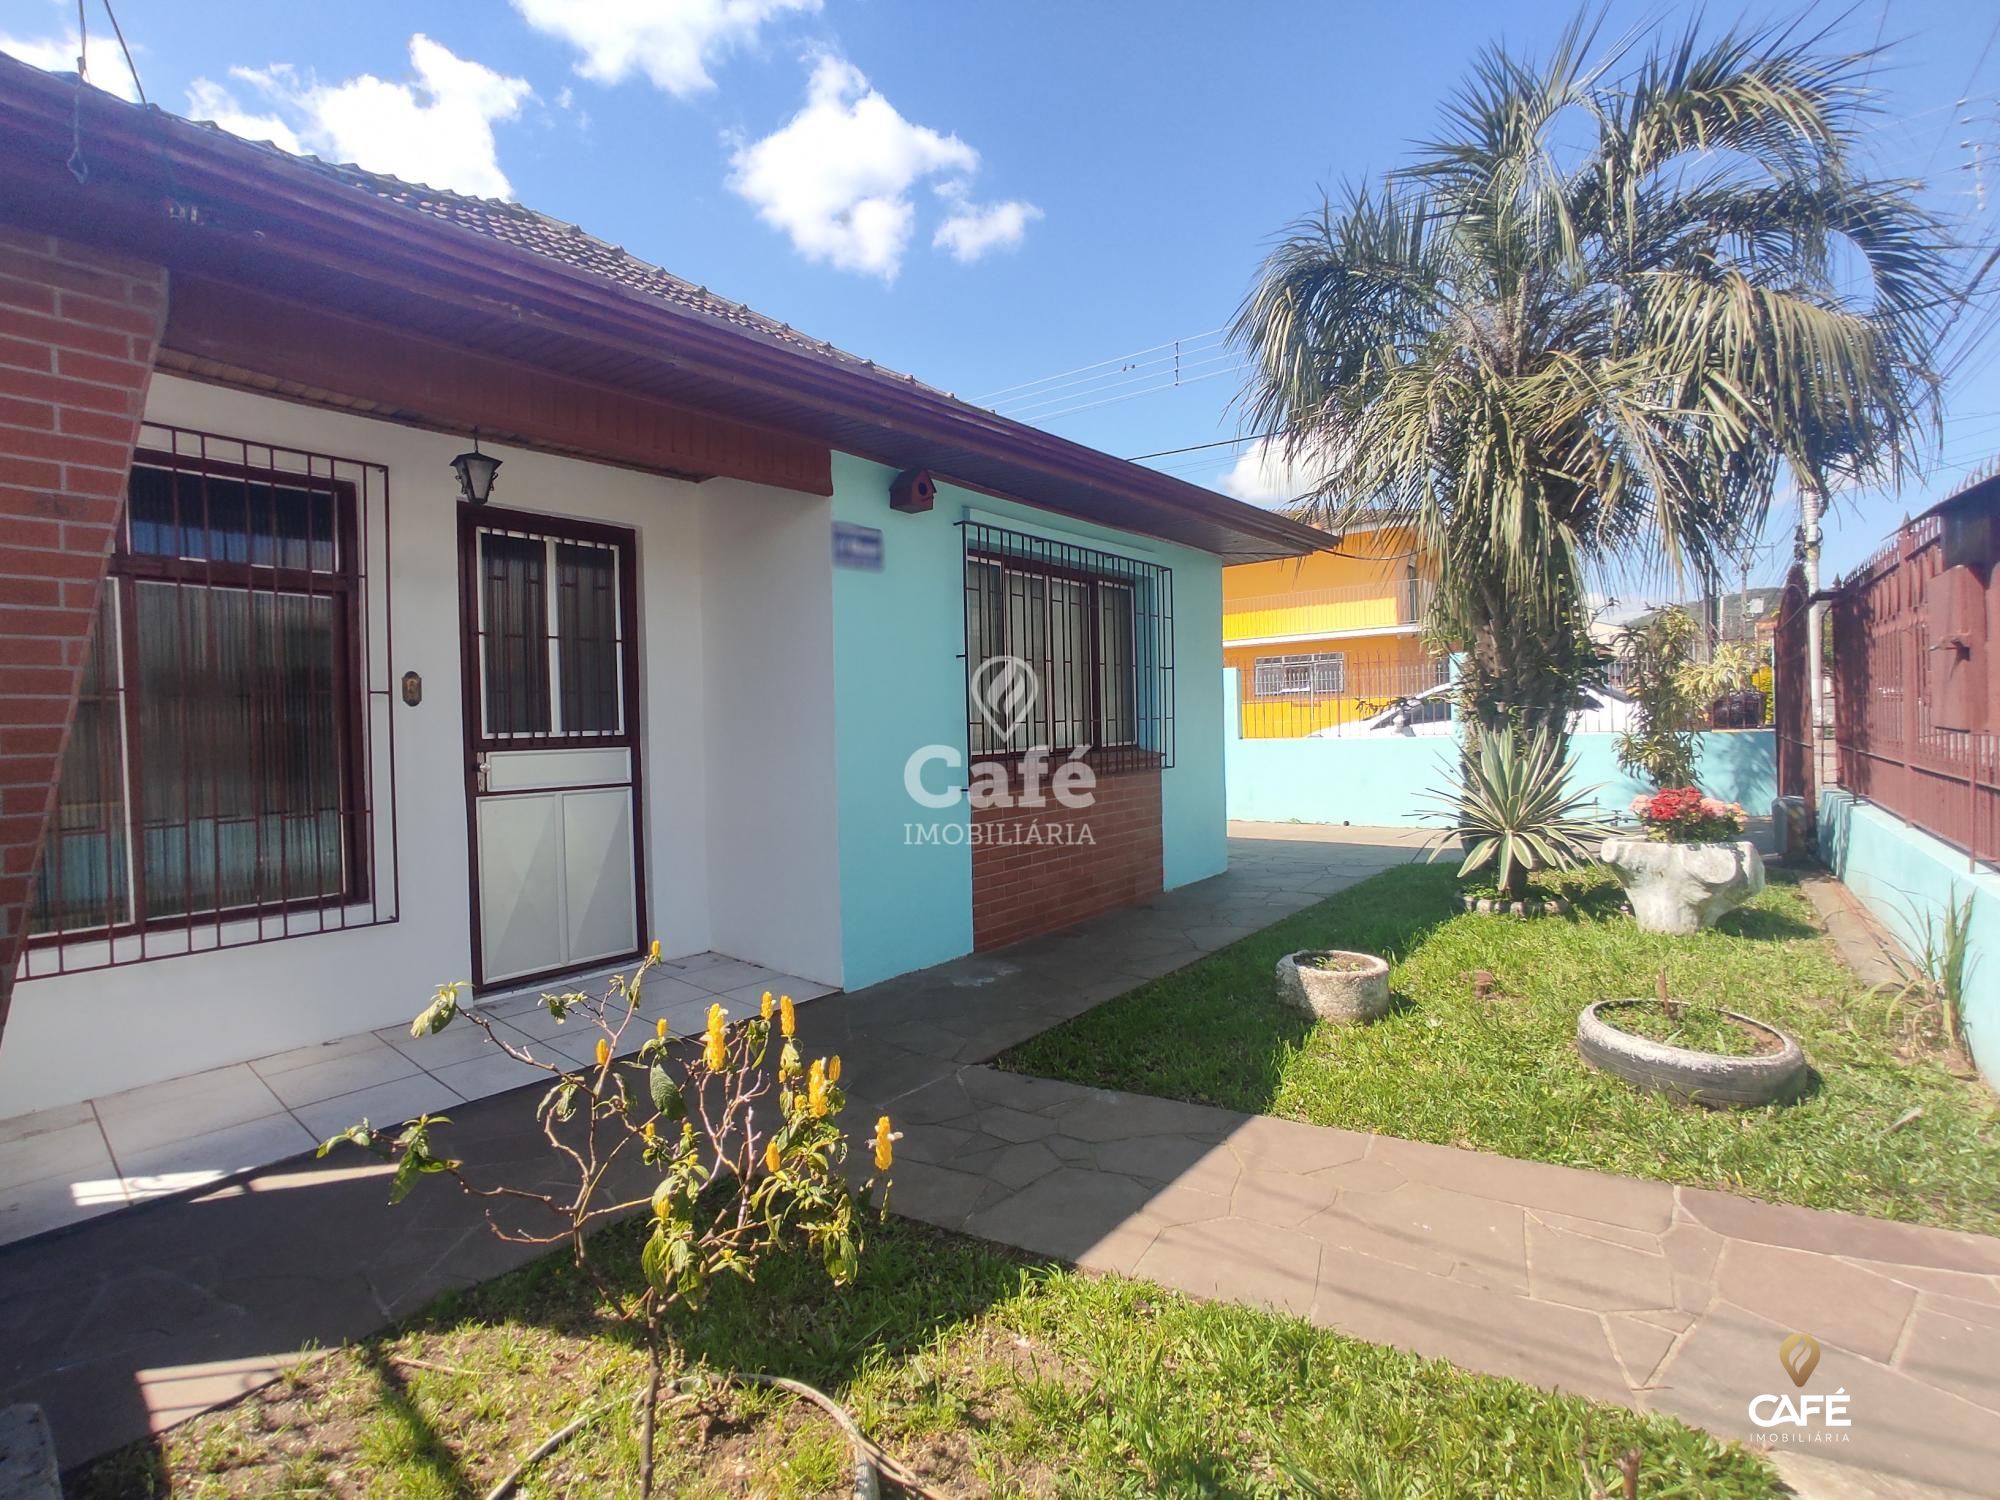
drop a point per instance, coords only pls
(1346, 996)
(1716, 1080)
(1550, 906)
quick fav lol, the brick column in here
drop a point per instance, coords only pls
(78, 331)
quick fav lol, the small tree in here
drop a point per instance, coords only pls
(1671, 693)
(737, 1172)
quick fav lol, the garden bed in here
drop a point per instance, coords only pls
(1481, 1052)
(986, 1374)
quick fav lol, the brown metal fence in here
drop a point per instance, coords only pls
(1888, 671)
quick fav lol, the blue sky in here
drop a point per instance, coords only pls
(985, 195)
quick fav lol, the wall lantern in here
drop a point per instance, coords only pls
(475, 472)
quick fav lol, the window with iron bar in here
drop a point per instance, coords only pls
(218, 783)
(1313, 674)
(1066, 647)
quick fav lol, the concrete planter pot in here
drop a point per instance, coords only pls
(1355, 990)
(1717, 1080)
(1682, 888)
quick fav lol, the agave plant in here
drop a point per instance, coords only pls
(1512, 809)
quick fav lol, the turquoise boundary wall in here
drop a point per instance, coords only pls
(898, 636)
(1905, 877)
(1381, 782)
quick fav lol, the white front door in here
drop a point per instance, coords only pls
(552, 743)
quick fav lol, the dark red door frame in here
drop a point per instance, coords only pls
(632, 739)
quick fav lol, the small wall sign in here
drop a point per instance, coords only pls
(857, 546)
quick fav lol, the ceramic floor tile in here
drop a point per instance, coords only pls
(731, 974)
(495, 1074)
(33, 1207)
(359, 1068)
(43, 1120)
(749, 996)
(384, 1106)
(142, 1119)
(182, 1164)
(64, 1149)
(459, 1042)
(360, 1044)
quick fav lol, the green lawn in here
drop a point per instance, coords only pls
(1502, 1074)
(985, 1374)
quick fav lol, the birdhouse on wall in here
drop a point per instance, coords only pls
(913, 491)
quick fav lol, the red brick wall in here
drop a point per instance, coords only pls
(78, 332)
(1021, 888)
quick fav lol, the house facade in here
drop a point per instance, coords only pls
(1328, 638)
(754, 648)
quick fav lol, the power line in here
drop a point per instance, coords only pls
(1218, 443)
(1116, 359)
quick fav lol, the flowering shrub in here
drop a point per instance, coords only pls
(733, 1177)
(1682, 815)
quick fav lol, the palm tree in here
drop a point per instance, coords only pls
(1593, 320)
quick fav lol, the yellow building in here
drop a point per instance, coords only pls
(1327, 638)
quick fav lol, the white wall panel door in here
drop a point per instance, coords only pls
(598, 898)
(520, 870)
(552, 743)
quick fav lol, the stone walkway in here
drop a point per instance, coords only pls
(1631, 1291)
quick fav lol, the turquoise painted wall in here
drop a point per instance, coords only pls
(898, 684)
(1906, 877)
(898, 635)
(1193, 794)
(1381, 782)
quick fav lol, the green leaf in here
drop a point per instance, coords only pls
(434, 1017)
(666, 1093)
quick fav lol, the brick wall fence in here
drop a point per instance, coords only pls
(78, 332)
(1023, 884)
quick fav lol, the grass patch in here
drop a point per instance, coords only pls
(1700, 1028)
(987, 1374)
(1502, 1073)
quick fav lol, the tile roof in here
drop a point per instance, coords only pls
(551, 238)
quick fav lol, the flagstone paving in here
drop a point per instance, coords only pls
(1667, 1298)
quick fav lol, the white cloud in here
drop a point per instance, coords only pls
(975, 228)
(436, 129)
(210, 101)
(1263, 475)
(837, 176)
(673, 42)
(102, 58)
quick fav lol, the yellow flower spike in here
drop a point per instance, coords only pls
(660, 1028)
(654, 952)
(885, 1150)
(816, 1088)
(651, 1133)
(603, 1052)
(765, 1009)
(715, 1051)
(788, 1015)
(833, 1069)
(773, 1157)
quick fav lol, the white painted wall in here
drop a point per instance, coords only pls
(770, 893)
(773, 849)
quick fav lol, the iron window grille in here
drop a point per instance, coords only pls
(551, 616)
(1316, 674)
(219, 785)
(1096, 629)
